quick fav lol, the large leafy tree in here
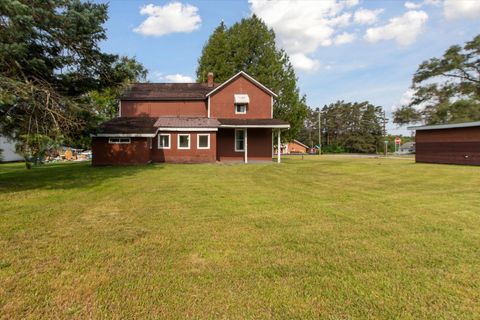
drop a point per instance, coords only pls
(249, 45)
(50, 62)
(351, 127)
(446, 89)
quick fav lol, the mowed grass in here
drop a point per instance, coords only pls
(329, 237)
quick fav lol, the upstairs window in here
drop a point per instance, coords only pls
(119, 140)
(241, 102)
(240, 108)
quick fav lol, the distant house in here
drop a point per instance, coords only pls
(190, 122)
(448, 143)
(293, 147)
(407, 147)
(8, 150)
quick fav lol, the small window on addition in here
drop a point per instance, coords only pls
(240, 108)
(203, 141)
(183, 141)
(163, 141)
(119, 140)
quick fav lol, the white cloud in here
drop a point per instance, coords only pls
(365, 16)
(344, 38)
(302, 62)
(412, 5)
(177, 78)
(304, 26)
(170, 18)
(403, 29)
(456, 9)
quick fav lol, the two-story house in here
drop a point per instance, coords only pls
(190, 122)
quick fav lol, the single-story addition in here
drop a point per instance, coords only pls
(191, 123)
(448, 143)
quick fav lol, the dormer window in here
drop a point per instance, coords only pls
(240, 108)
(241, 102)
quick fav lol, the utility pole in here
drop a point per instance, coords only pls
(385, 141)
(319, 133)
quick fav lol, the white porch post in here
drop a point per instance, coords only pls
(279, 147)
(246, 146)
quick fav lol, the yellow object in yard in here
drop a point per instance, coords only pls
(68, 155)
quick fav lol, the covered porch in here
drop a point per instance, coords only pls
(248, 140)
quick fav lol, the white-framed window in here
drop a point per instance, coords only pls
(203, 141)
(119, 140)
(240, 108)
(163, 141)
(183, 140)
(239, 140)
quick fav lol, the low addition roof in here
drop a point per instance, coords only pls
(167, 91)
(253, 123)
(446, 126)
(128, 126)
(149, 126)
(186, 122)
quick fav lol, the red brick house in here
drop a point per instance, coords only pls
(190, 123)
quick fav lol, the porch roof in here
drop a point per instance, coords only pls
(254, 123)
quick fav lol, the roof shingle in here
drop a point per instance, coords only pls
(167, 91)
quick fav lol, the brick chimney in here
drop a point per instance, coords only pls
(210, 79)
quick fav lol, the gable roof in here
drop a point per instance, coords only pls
(167, 91)
(248, 77)
(302, 144)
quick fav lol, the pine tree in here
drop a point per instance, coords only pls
(249, 45)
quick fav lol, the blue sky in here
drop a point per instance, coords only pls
(352, 50)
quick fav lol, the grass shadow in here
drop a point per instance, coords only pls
(14, 176)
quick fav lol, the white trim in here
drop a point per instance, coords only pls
(279, 148)
(245, 144)
(119, 142)
(120, 108)
(169, 140)
(447, 126)
(119, 135)
(240, 104)
(187, 129)
(246, 76)
(235, 140)
(208, 107)
(178, 141)
(271, 107)
(208, 141)
(275, 126)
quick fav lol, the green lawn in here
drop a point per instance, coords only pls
(330, 237)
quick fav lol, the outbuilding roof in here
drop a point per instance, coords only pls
(167, 91)
(446, 126)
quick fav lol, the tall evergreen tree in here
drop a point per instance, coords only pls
(249, 45)
(351, 127)
(49, 61)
